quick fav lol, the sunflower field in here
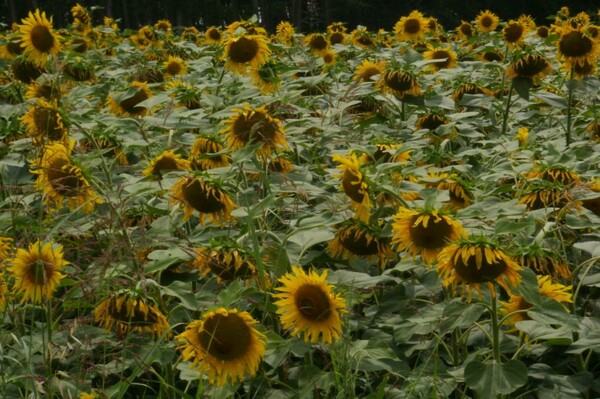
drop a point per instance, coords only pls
(412, 213)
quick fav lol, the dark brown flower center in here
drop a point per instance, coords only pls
(365, 40)
(513, 32)
(164, 165)
(487, 21)
(312, 302)
(129, 104)
(575, 44)
(358, 242)
(201, 197)
(254, 126)
(223, 265)
(336, 37)
(468, 271)
(26, 71)
(351, 184)
(48, 122)
(434, 236)
(431, 121)
(174, 68)
(399, 81)
(39, 272)
(466, 30)
(243, 50)
(530, 65)
(214, 34)
(65, 178)
(440, 55)
(412, 26)
(135, 315)
(318, 42)
(226, 337)
(41, 38)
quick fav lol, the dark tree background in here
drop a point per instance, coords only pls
(306, 15)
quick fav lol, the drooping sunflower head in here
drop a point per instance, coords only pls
(367, 70)
(476, 261)
(224, 344)
(354, 239)
(163, 25)
(446, 56)
(576, 47)
(79, 69)
(207, 154)
(37, 270)
(204, 197)
(424, 232)
(539, 194)
(213, 35)
(285, 33)
(175, 66)
(25, 70)
(399, 84)
(307, 305)
(166, 161)
(82, 20)
(514, 33)
(491, 56)
(126, 103)
(362, 38)
(431, 121)
(516, 308)
(465, 30)
(245, 52)
(384, 153)
(460, 195)
(242, 27)
(554, 173)
(411, 27)
(530, 65)
(280, 163)
(128, 311)
(254, 125)
(542, 260)
(11, 47)
(486, 21)
(44, 121)
(190, 34)
(266, 78)
(47, 90)
(225, 263)
(354, 184)
(317, 43)
(38, 40)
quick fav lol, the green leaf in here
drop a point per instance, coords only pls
(522, 86)
(551, 99)
(490, 380)
(591, 247)
(461, 315)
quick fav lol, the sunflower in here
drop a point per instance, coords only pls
(44, 122)
(424, 232)
(472, 262)
(581, 70)
(166, 161)
(542, 31)
(514, 33)
(224, 344)
(126, 103)
(37, 270)
(399, 83)
(491, 56)
(246, 51)
(25, 70)
(554, 174)
(266, 78)
(175, 66)
(431, 121)
(285, 33)
(446, 56)
(522, 136)
(368, 69)
(163, 25)
(59, 179)
(575, 47)
(486, 21)
(195, 194)
(307, 305)
(516, 308)
(249, 27)
(354, 239)
(460, 196)
(79, 69)
(205, 154)
(465, 30)
(411, 27)
(227, 264)
(190, 34)
(128, 311)
(46, 90)
(336, 33)
(593, 204)
(317, 43)
(354, 184)
(329, 59)
(37, 38)
(539, 194)
(186, 95)
(82, 20)
(108, 147)
(384, 153)
(533, 66)
(544, 261)
(254, 125)
(361, 37)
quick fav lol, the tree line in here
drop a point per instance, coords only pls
(305, 15)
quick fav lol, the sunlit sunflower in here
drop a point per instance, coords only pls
(329, 59)
(516, 307)
(224, 344)
(209, 200)
(37, 270)
(400, 84)
(37, 38)
(464, 30)
(213, 35)
(514, 33)
(424, 232)
(175, 66)
(44, 122)
(361, 37)
(354, 239)
(254, 125)
(367, 70)
(354, 184)
(126, 103)
(207, 154)
(575, 47)
(166, 161)
(411, 27)
(285, 33)
(60, 180)
(486, 21)
(533, 66)
(472, 262)
(307, 305)
(446, 56)
(227, 264)
(317, 43)
(128, 311)
(245, 52)
(542, 260)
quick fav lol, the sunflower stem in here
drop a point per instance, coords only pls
(495, 329)
(569, 111)
(219, 82)
(507, 108)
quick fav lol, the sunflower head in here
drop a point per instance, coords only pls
(224, 344)
(266, 78)
(38, 40)
(285, 33)
(126, 103)
(37, 270)
(543, 261)
(163, 25)
(25, 70)
(530, 65)
(190, 34)
(128, 311)
(355, 239)
(384, 153)
(514, 33)
(475, 261)
(539, 194)
(554, 174)
(362, 38)
(225, 263)
(431, 121)
(542, 31)
(213, 35)
(399, 83)
(411, 27)
(207, 198)
(44, 121)
(317, 43)
(79, 69)
(307, 305)
(465, 30)
(354, 184)
(445, 56)
(486, 21)
(205, 154)
(254, 125)
(576, 47)
(175, 66)
(367, 70)
(245, 52)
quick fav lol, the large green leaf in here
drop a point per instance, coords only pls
(493, 379)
